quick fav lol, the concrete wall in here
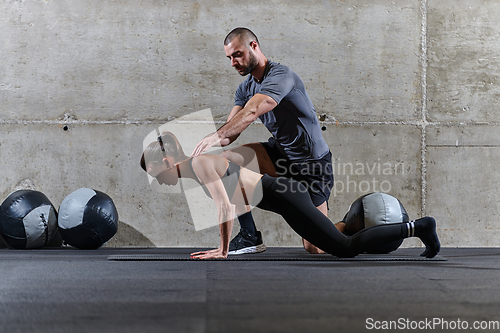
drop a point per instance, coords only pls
(407, 90)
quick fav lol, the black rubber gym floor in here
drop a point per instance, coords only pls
(145, 290)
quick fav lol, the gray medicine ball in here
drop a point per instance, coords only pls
(87, 219)
(28, 220)
(375, 209)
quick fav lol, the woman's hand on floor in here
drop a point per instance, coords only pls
(210, 254)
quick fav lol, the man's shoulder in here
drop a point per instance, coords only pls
(276, 67)
(280, 72)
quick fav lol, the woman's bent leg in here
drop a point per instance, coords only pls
(290, 199)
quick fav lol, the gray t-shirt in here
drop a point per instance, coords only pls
(293, 122)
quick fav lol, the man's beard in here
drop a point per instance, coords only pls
(251, 65)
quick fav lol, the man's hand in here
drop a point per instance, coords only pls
(211, 254)
(208, 142)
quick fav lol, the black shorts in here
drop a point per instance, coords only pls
(315, 175)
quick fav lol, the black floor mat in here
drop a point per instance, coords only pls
(273, 257)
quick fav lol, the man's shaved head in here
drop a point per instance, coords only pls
(243, 34)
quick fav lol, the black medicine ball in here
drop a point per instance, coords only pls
(28, 220)
(87, 219)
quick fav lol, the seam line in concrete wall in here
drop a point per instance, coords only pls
(423, 78)
(77, 122)
(464, 146)
(402, 122)
(326, 122)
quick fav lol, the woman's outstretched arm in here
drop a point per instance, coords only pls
(206, 171)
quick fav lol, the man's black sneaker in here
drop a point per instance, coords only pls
(244, 242)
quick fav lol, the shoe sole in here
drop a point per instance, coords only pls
(250, 249)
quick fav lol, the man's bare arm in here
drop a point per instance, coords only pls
(233, 112)
(255, 107)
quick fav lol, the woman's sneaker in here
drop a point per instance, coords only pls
(244, 242)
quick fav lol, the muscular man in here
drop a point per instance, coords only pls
(276, 95)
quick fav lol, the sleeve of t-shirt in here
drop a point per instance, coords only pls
(278, 84)
(240, 97)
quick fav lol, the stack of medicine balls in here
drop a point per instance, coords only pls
(87, 219)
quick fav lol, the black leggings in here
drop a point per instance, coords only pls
(291, 200)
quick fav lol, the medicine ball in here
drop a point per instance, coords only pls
(375, 209)
(87, 219)
(28, 220)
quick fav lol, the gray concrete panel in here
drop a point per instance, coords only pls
(463, 76)
(478, 136)
(463, 176)
(120, 61)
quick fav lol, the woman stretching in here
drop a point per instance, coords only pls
(229, 184)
